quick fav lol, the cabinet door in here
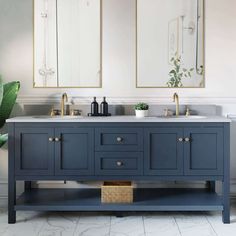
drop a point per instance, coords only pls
(74, 152)
(163, 151)
(203, 152)
(34, 152)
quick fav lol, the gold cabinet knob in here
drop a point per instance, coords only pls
(119, 139)
(119, 163)
(187, 139)
(57, 139)
(181, 139)
(51, 139)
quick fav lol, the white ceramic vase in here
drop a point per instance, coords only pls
(141, 113)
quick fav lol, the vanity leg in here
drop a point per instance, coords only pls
(11, 202)
(226, 180)
(119, 214)
(11, 177)
(211, 186)
(27, 185)
(226, 202)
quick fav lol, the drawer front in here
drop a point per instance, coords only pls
(118, 163)
(119, 139)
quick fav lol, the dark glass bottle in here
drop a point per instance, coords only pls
(104, 107)
(94, 107)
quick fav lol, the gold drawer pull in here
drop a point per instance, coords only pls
(181, 139)
(119, 139)
(51, 139)
(119, 163)
(187, 139)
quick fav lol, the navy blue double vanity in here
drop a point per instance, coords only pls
(119, 148)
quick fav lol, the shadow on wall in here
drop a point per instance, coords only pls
(17, 111)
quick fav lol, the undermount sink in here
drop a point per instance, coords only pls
(57, 117)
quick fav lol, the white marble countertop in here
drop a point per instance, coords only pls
(132, 119)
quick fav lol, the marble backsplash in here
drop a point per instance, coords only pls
(154, 110)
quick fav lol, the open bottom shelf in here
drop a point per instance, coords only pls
(144, 200)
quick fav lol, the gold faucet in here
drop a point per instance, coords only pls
(64, 99)
(176, 100)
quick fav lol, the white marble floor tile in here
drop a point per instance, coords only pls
(3, 222)
(162, 224)
(222, 229)
(194, 224)
(92, 230)
(92, 224)
(27, 224)
(95, 219)
(127, 226)
(59, 225)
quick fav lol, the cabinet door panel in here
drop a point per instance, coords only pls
(163, 151)
(34, 152)
(74, 153)
(204, 152)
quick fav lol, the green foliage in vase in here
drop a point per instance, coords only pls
(141, 106)
(8, 95)
(200, 70)
(178, 73)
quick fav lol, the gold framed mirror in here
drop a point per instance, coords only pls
(67, 43)
(170, 45)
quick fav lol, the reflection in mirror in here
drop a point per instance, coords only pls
(67, 43)
(170, 43)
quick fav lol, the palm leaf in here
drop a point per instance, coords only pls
(1, 90)
(10, 91)
(3, 139)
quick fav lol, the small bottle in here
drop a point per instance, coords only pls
(104, 107)
(94, 107)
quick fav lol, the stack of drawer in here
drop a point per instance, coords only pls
(119, 151)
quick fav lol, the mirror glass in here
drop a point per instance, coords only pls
(67, 43)
(170, 43)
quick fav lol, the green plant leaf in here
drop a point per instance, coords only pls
(1, 90)
(3, 139)
(172, 72)
(141, 106)
(10, 91)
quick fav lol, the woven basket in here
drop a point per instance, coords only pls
(117, 192)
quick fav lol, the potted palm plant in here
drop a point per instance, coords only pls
(141, 110)
(8, 95)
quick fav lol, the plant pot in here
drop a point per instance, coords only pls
(141, 113)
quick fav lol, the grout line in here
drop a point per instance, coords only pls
(110, 227)
(77, 224)
(144, 225)
(41, 228)
(177, 226)
(211, 225)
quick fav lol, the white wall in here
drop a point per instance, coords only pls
(16, 51)
(16, 59)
